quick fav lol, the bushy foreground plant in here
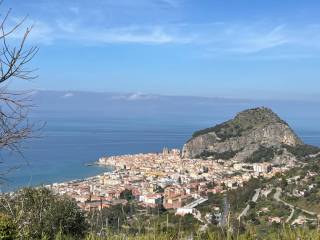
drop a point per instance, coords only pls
(38, 213)
(285, 233)
(8, 229)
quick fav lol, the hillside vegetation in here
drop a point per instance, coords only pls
(253, 135)
(244, 121)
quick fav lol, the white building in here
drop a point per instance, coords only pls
(153, 199)
(262, 167)
(183, 211)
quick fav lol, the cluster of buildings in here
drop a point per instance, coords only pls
(160, 179)
(302, 186)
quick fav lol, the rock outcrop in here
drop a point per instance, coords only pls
(254, 135)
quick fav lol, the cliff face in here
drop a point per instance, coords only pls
(249, 133)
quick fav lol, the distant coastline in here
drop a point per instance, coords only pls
(70, 142)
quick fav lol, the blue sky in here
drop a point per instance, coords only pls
(239, 48)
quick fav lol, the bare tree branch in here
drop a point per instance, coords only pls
(15, 106)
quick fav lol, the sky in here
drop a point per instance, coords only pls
(230, 48)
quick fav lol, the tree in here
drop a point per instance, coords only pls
(111, 218)
(15, 106)
(39, 212)
(127, 195)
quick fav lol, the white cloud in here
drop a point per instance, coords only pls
(244, 39)
(134, 34)
(218, 37)
(44, 33)
(171, 3)
(68, 95)
(74, 10)
(140, 96)
(134, 97)
(214, 39)
(68, 27)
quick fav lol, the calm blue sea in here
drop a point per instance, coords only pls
(70, 140)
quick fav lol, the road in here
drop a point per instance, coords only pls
(224, 217)
(291, 215)
(277, 195)
(196, 203)
(254, 199)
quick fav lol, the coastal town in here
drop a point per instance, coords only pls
(161, 179)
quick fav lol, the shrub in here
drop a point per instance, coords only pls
(302, 150)
(224, 131)
(218, 155)
(263, 154)
(8, 229)
(39, 213)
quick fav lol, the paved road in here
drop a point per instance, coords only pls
(254, 199)
(277, 195)
(196, 203)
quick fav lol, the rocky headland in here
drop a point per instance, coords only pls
(254, 135)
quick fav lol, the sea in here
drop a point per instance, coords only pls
(77, 133)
